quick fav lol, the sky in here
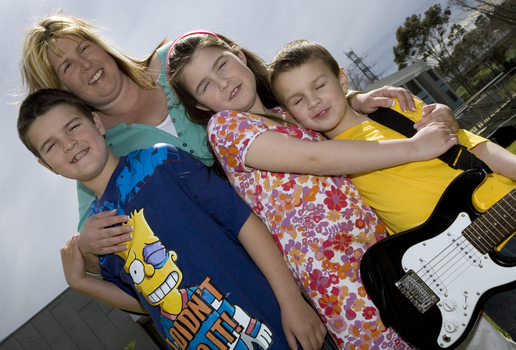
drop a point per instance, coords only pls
(38, 211)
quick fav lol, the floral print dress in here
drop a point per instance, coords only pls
(321, 225)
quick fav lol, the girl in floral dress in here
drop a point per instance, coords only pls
(320, 223)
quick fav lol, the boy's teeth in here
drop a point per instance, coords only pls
(79, 156)
(96, 76)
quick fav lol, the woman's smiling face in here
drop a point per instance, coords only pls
(87, 70)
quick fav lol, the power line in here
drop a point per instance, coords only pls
(391, 33)
(361, 65)
(359, 61)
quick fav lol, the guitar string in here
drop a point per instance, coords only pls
(480, 221)
(483, 227)
(435, 264)
(460, 246)
(501, 222)
(463, 260)
(508, 216)
(438, 265)
(451, 266)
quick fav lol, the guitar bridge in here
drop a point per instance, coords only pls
(417, 291)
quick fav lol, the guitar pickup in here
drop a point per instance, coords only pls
(417, 291)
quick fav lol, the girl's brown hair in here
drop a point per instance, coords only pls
(181, 55)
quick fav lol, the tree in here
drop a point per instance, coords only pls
(485, 46)
(430, 38)
(504, 11)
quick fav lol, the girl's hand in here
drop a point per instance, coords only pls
(73, 262)
(383, 97)
(437, 112)
(301, 323)
(98, 237)
(433, 140)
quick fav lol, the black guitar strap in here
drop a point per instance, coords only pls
(457, 157)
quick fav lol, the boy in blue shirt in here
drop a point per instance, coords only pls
(190, 262)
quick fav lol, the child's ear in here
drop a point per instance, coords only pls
(343, 77)
(98, 123)
(241, 55)
(45, 164)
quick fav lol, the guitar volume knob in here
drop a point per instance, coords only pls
(450, 326)
(449, 305)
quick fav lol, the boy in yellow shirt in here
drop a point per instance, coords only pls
(308, 82)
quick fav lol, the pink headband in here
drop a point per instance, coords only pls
(193, 32)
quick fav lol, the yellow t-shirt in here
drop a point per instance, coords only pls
(405, 196)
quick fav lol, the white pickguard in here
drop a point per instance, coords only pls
(457, 273)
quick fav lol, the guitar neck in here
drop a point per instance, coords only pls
(494, 226)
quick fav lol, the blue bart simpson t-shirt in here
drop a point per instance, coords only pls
(185, 263)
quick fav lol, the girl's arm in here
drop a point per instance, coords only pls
(500, 160)
(104, 291)
(299, 320)
(277, 152)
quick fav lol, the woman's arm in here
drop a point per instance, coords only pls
(277, 152)
(382, 97)
(500, 160)
(299, 320)
(437, 112)
(99, 237)
(104, 291)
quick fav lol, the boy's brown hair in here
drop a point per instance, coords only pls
(39, 103)
(297, 53)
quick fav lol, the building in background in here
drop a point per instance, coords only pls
(424, 82)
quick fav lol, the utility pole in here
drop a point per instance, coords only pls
(357, 61)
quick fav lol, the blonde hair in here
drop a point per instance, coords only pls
(37, 72)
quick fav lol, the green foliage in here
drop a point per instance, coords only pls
(502, 11)
(423, 38)
(429, 37)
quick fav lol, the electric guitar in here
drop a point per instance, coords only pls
(430, 283)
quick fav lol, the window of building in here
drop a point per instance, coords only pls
(413, 87)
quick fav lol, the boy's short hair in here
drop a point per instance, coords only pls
(298, 53)
(39, 103)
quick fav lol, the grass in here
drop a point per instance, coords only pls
(512, 147)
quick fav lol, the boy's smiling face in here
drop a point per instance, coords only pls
(314, 96)
(69, 143)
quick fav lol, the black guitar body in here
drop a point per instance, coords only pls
(381, 268)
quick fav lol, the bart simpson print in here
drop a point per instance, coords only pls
(197, 317)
